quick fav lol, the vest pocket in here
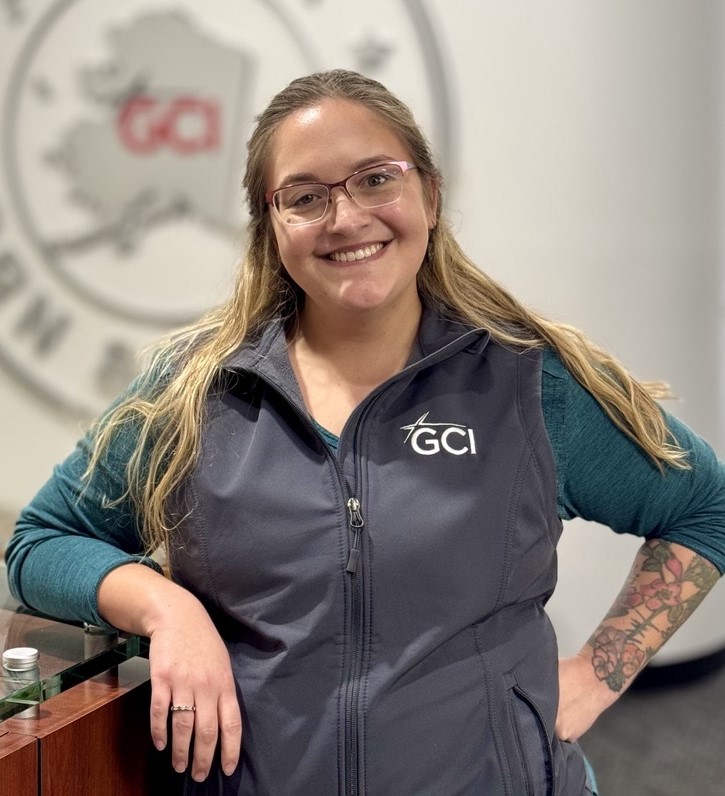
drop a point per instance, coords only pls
(533, 743)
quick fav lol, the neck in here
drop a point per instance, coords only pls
(368, 346)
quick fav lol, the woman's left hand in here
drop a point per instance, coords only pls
(582, 697)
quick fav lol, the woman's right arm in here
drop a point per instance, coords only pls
(76, 554)
(73, 533)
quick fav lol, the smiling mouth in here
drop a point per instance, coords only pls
(356, 254)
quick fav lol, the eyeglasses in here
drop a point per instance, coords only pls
(307, 203)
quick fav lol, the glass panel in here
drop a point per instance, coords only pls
(69, 654)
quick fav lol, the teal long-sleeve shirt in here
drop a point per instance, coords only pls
(69, 537)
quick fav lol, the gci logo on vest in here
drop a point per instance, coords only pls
(428, 438)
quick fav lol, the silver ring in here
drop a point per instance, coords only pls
(174, 708)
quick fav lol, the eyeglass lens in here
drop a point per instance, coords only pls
(373, 187)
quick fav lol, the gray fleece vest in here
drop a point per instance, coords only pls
(384, 607)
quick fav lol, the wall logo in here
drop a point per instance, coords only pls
(428, 438)
(123, 130)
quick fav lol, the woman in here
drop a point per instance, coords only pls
(358, 468)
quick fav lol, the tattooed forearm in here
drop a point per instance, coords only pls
(666, 584)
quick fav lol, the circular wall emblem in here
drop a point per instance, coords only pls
(121, 212)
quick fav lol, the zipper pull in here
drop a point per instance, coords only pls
(356, 521)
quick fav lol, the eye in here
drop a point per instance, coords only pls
(302, 196)
(376, 179)
(303, 200)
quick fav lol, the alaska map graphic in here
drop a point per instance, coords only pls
(165, 135)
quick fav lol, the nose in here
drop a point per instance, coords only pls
(344, 211)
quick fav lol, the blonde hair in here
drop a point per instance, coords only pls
(167, 408)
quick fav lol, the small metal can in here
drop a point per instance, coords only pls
(20, 659)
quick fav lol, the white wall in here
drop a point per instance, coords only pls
(585, 174)
(591, 138)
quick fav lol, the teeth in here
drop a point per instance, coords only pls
(358, 254)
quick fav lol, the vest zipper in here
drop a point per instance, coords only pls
(356, 523)
(352, 680)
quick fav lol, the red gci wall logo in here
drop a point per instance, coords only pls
(186, 125)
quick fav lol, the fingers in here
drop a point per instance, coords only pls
(230, 723)
(160, 701)
(210, 722)
(204, 725)
(182, 730)
(205, 739)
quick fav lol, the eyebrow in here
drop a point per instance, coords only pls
(306, 176)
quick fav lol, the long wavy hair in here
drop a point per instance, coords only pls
(167, 409)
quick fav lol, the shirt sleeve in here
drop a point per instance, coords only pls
(73, 533)
(605, 477)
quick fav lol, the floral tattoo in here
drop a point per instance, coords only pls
(661, 604)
